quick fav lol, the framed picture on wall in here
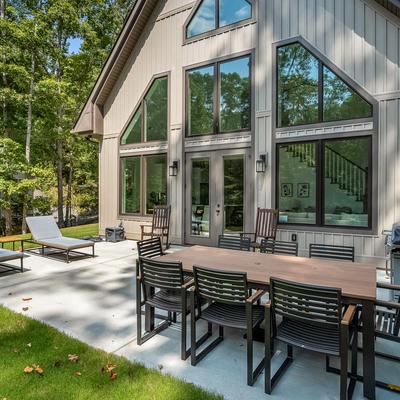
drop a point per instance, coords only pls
(303, 190)
(286, 189)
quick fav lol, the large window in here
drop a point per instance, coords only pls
(309, 92)
(214, 14)
(143, 183)
(339, 169)
(150, 120)
(219, 98)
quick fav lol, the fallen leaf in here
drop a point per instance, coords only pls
(77, 373)
(25, 308)
(113, 376)
(57, 364)
(108, 368)
(10, 294)
(27, 299)
(73, 358)
(39, 370)
(29, 344)
(28, 370)
(16, 350)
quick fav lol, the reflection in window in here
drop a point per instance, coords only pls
(342, 102)
(346, 177)
(297, 86)
(150, 121)
(233, 193)
(201, 197)
(308, 92)
(235, 95)
(213, 14)
(201, 101)
(130, 185)
(156, 111)
(156, 181)
(297, 183)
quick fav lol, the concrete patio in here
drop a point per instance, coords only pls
(94, 300)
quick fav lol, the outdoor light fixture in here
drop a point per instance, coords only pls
(173, 168)
(261, 163)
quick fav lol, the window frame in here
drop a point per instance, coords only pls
(142, 196)
(320, 185)
(323, 61)
(140, 105)
(217, 93)
(218, 29)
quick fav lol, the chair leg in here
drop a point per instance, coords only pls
(192, 329)
(267, 353)
(344, 340)
(22, 264)
(184, 353)
(138, 312)
(250, 346)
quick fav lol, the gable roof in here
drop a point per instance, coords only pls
(90, 120)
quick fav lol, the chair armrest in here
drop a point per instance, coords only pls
(268, 305)
(257, 295)
(349, 315)
(188, 285)
(139, 277)
(387, 286)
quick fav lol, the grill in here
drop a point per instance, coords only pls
(115, 234)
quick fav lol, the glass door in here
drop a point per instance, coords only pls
(218, 187)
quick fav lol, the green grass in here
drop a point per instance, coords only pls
(73, 231)
(50, 349)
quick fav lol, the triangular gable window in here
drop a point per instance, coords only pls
(150, 121)
(214, 14)
(309, 92)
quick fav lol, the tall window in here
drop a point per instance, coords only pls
(143, 183)
(309, 92)
(339, 168)
(219, 98)
(214, 14)
(150, 120)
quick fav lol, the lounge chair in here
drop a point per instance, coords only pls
(8, 255)
(46, 233)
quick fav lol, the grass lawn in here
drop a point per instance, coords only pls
(25, 342)
(73, 231)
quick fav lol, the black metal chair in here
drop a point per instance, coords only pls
(228, 305)
(271, 246)
(162, 286)
(150, 248)
(312, 319)
(234, 242)
(342, 253)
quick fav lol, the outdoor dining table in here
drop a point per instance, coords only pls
(356, 280)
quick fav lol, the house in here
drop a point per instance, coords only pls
(222, 106)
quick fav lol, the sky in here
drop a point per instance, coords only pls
(74, 45)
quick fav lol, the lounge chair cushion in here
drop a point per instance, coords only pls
(8, 255)
(65, 243)
(43, 227)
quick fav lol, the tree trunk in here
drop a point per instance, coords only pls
(69, 198)
(4, 104)
(8, 221)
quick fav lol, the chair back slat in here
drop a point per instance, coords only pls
(161, 274)
(271, 246)
(266, 223)
(161, 218)
(397, 321)
(220, 286)
(234, 242)
(150, 248)
(307, 303)
(343, 253)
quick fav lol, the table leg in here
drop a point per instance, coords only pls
(13, 246)
(369, 349)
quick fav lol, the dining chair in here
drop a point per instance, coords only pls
(161, 285)
(234, 242)
(160, 224)
(313, 318)
(266, 227)
(150, 248)
(228, 304)
(271, 246)
(341, 253)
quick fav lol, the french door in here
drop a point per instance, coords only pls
(218, 195)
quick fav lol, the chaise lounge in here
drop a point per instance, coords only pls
(46, 233)
(8, 255)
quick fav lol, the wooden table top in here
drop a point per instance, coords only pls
(10, 239)
(357, 280)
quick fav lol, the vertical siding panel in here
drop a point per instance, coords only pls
(380, 53)
(294, 17)
(320, 24)
(311, 20)
(349, 37)
(339, 33)
(382, 167)
(286, 21)
(369, 45)
(359, 42)
(277, 20)
(329, 29)
(303, 17)
(392, 61)
(268, 40)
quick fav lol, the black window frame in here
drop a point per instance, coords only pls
(218, 28)
(140, 106)
(321, 65)
(217, 95)
(142, 197)
(320, 186)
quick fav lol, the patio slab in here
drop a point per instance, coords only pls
(94, 300)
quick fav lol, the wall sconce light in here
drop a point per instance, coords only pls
(173, 168)
(261, 163)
